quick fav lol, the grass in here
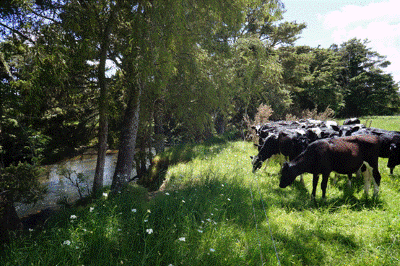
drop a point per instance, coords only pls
(213, 211)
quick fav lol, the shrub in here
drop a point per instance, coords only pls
(21, 183)
(264, 112)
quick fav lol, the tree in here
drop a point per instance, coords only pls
(258, 71)
(93, 23)
(163, 34)
(367, 89)
(314, 73)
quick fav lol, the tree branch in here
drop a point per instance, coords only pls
(18, 33)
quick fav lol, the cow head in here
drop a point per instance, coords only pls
(269, 148)
(287, 176)
(256, 162)
(394, 158)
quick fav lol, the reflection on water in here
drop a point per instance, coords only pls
(59, 188)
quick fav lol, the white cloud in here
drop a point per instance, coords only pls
(377, 22)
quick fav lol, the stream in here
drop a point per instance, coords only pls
(61, 189)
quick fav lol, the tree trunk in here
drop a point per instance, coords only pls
(103, 106)
(103, 124)
(126, 153)
(159, 136)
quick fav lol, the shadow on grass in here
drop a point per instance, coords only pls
(182, 153)
(308, 247)
(298, 197)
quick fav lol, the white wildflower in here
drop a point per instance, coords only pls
(212, 250)
(183, 239)
(166, 193)
(91, 209)
(149, 231)
(133, 210)
(67, 242)
(200, 231)
(105, 195)
(73, 217)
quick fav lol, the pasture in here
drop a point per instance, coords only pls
(212, 210)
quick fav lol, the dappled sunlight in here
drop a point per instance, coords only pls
(214, 211)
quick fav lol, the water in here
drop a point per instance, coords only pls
(59, 188)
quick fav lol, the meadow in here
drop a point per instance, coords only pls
(212, 210)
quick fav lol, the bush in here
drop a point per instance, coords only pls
(264, 112)
(21, 183)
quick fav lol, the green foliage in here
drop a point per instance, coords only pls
(366, 89)
(21, 183)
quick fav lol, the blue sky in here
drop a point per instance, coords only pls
(337, 21)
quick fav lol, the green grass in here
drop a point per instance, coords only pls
(213, 211)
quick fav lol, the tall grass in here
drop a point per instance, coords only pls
(213, 211)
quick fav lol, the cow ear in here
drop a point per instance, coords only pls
(392, 146)
(251, 157)
(334, 127)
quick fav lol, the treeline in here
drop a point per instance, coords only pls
(182, 71)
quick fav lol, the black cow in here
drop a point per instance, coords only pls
(289, 143)
(351, 121)
(343, 155)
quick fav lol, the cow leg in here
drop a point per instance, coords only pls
(324, 184)
(315, 183)
(349, 190)
(391, 170)
(349, 177)
(377, 181)
(367, 180)
(376, 174)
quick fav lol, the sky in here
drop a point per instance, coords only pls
(337, 21)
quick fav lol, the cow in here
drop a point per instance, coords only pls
(343, 155)
(289, 143)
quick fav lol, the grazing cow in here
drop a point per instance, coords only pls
(351, 121)
(270, 147)
(289, 143)
(343, 155)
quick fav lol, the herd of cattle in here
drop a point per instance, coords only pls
(320, 147)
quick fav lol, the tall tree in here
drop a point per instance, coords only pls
(313, 72)
(93, 23)
(258, 69)
(165, 33)
(367, 89)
